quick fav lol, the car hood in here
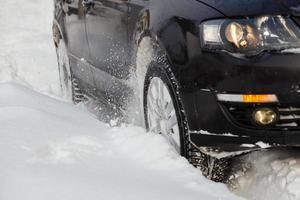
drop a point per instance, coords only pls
(233, 8)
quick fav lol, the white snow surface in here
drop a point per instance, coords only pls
(270, 175)
(52, 150)
(27, 55)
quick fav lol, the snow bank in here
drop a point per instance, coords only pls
(53, 150)
(27, 55)
(270, 175)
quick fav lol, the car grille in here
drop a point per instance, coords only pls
(289, 117)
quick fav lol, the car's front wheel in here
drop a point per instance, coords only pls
(164, 114)
(161, 114)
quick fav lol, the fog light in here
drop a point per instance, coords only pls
(265, 116)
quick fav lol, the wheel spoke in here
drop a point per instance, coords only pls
(153, 104)
(169, 109)
(157, 85)
(161, 95)
(156, 89)
(153, 123)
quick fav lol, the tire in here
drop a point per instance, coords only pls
(214, 169)
(172, 123)
(70, 88)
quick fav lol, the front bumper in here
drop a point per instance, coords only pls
(210, 123)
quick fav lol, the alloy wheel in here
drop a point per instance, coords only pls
(161, 113)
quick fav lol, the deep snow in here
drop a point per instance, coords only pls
(273, 174)
(50, 149)
(53, 150)
(27, 55)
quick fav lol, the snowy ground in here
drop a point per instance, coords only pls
(50, 149)
(53, 150)
(270, 175)
(27, 55)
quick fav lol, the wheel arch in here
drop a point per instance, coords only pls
(150, 28)
(56, 24)
(161, 57)
(155, 37)
(153, 31)
(59, 19)
(167, 31)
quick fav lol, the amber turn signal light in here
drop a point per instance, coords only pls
(248, 98)
(260, 98)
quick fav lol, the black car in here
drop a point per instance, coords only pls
(218, 78)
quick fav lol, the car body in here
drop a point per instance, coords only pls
(102, 38)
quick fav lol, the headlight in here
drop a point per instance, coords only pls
(250, 36)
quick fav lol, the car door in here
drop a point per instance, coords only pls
(76, 40)
(106, 23)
